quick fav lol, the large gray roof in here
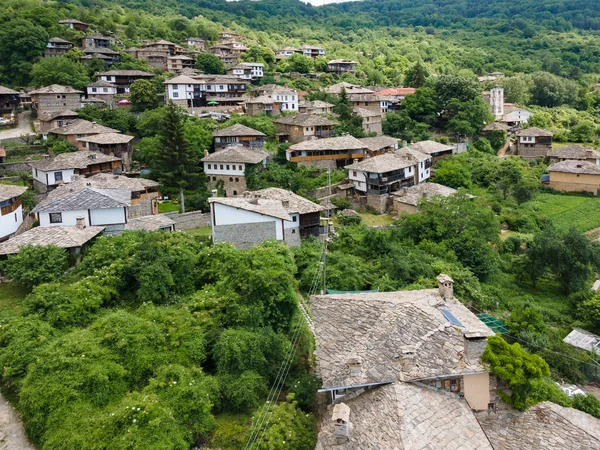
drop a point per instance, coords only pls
(7, 91)
(379, 142)
(64, 237)
(237, 154)
(82, 126)
(8, 191)
(430, 147)
(149, 223)
(47, 116)
(237, 130)
(534, 131)
(293, 203)
(127, 73)
(306, 120)
(107, 139)
(55, 89)
(411, 195)
(374, 328)
(383, 163)
(575, 166)
(87, 198)
(72, 160)
(271, 208)
(334, 143)
(574, 151)
(103, 181)
(583, 339)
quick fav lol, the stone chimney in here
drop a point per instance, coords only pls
(355, 160)
(341, 423)
(408, 358)
(445, 286)
(80, 222)
(215, 193)
(92, 156)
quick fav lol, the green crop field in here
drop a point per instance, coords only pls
(568, 211)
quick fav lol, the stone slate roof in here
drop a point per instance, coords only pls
(334, 143)
(543, 426)
(350, 89)
(47, 116)
(81, 126)
(362, 112)
(101, 83)
(575, 166)
(496, 126)
(64, 237)
(318, 104)
(271, 208)
(406, 416)
(55, 89)
(149, 223)
(306, 120)
(73, 160)
(342, 61)
(534, 131)
(430, 147)
(583, 339)
(7, 91)
(374, 328)
(103, 181)
(269, 89)
(107, 138)
(127, 73)
(237, 154)
(183, 79)
(261, 99)
(574, 151)
(8, 191)
(238, 130)
(86, 198)
(65, 21)
(98, 52)
(419, 156)
(411, 195)
(293, 203)
(383, 163)
(57, 40)
(378, 142)
(510, 108)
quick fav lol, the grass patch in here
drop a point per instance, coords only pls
(11, 296)
(376, 220)
(168, 206)
(200, 231)
(568, 211)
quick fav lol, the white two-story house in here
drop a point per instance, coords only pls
(247, 70)
(11, 209)
(287, 97)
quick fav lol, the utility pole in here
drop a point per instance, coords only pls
(325, 269)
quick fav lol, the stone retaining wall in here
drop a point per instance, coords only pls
(194, 219)
(245, 235)
(14, 167)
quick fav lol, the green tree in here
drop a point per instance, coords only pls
(210, 63)
(59, 70)
(144, 95)
(497, 139)
(298, 63)
(550, 90)
(583, 132)
(517, 89)
(175, 166)
(453, 173)
(23, 43)
(416, 75)
(35, 265)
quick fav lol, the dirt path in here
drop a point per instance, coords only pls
(22, 128)
(12, 436)
(502, 151)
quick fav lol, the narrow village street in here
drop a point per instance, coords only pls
(22, 128)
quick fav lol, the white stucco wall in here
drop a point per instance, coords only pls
(41, 176)
(215, 169)
(68, 218)
(227, 215)
(108, 216)
(359, 180)
(10, 222)
(424, 173)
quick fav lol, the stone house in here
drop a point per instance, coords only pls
(123, 79)
(53, 119)
(74, 24)
(11, 209)
(351, 89)
(57, 47)
(341, 66)
(116, 144)
(102, 90)
(74, 130)
(372, 122)
(229, 166)
(263, 104)
(372, 102)
(9, 100)
(575, 176)
(55, 98)
(575, 152)
(436, 150)
(533, 143)
(195, 43)
(51, 172)
(178, 63)
(515, 117)
(303, 127)
(288, 98)
(316, 107)
(415, 355)
(156, 57)
(286, 52)
(328, 153)
(238, 134)
(144, 193)
(406, 200)
(108, 55)
(379, 145)
(312, 51)
(96, 41)
(247, 71)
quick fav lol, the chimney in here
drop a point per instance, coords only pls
(445, 286)
(355, 367)
(285, 203)
(92, 156)
(404, 144)
(408, 358)
(215, 193)
(341, 423)
(80, 222)
(355, 160)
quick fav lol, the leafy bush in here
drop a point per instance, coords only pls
(35, 265)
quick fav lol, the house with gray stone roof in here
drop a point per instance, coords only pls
(238, 134)
(434, 149)
(9, 100)
(57, 47)
(159, 222)
(55, 98)
(575, 176)
(533, 143)
(316, 107)
(334, 152)
(407, 199)
(11, 209)
(303, 127)
(575, 152)
(372, 121)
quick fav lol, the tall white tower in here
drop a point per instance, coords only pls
(497, 102)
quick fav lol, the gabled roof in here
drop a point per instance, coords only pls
(47, 116)
(306, 120)
(101, 83)
(180, 58)
(126, 73)
(496, 126)
(396, 92)
(7, 91)
(271, 208)
(411, 195)
(350, 89)
(107, 138)
(334, 143)
(430, 147)
(342, 61)
(72, 160)
(376, 328)
(575, 166)
(377, 143)
(269, 89)
(57, 40)
(419, 156)
(63, 237)
(86, 198)
(82, 126)
(183, 79)
(237, 130)
(8, 191)
(406, 416)
(574, 151)
(98, 52)
(534, 131)
(237, 154)
(510, 108)
(103, 181)
(384, 163)
(318, 104)
(149, 223)
(583, 339)
(160, 42)
(261, 99)
(55, 89)
(293, 203)
(364, 113)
